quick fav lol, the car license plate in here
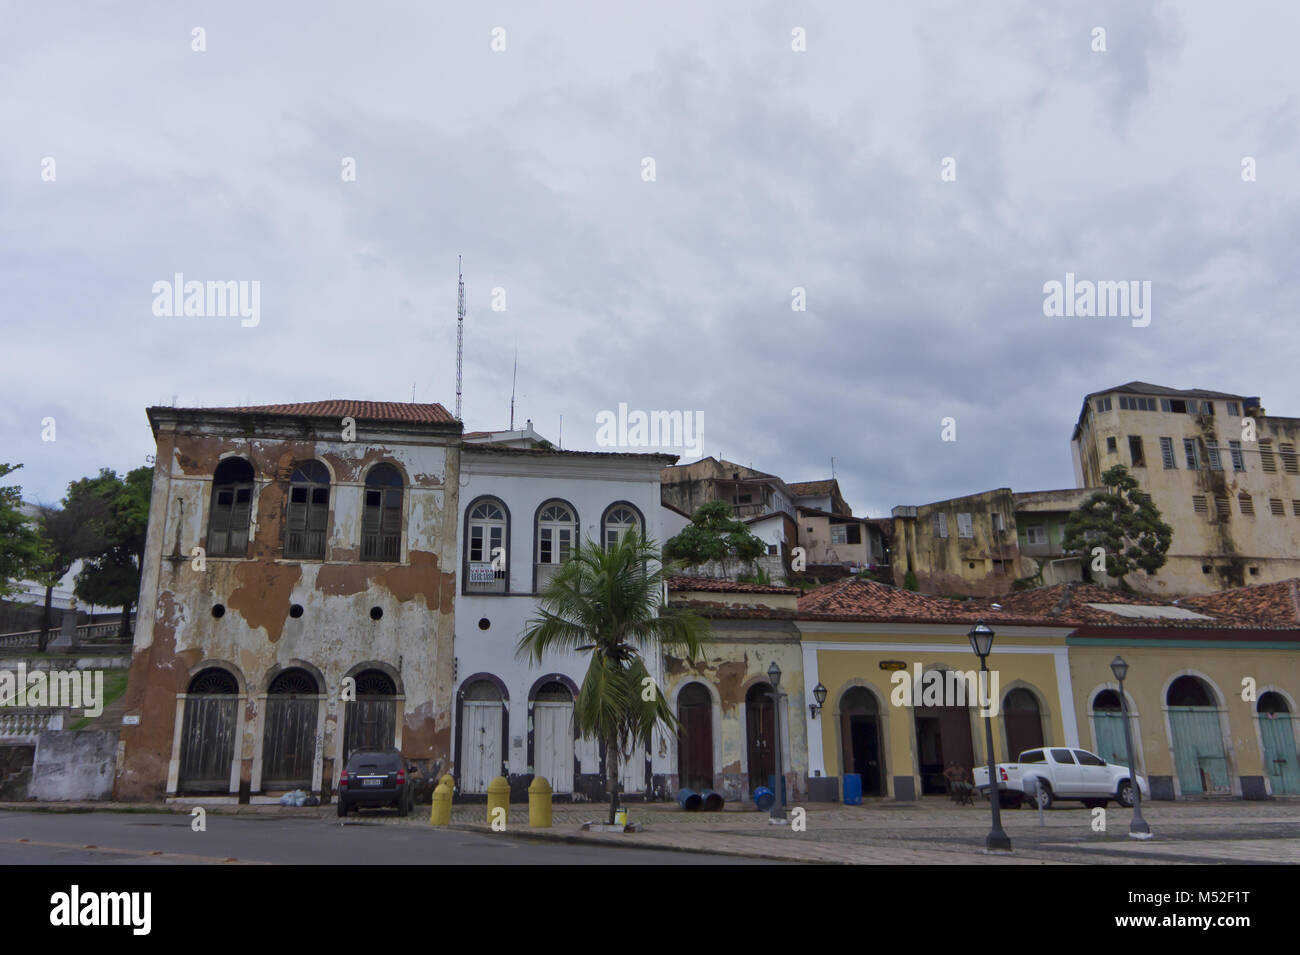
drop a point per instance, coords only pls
(371, 782)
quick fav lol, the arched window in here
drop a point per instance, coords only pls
(309, 509)
(381, 523)
(486, 554)
(556, 530)
(1188, 691)
(619, 519)
(232, 504)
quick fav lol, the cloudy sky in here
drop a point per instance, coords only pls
(774, 169)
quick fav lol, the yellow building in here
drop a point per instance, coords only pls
(1211, 688)
(1224, 474)
(897, 668)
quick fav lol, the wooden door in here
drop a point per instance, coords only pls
(1198, 749)
(1111, 745)
(695, 738)
(760, 733)
(208, 743)
(289, 743)
(553, 744)
(1280, 755)
(631, 771)
(480, 744)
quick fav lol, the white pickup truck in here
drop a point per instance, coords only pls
(1061, 773)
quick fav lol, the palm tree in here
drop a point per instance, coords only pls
(610, 603)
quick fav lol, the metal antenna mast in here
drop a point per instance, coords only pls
(513, 380)
(460, 329)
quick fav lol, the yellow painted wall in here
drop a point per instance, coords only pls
(841, 669)
(1152, 669)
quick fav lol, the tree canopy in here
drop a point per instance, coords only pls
(714, 534)
(1121, 519)
(22, 551)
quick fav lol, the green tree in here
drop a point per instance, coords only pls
(610, 603)
(714, 534)
(111, 574)
(1121, 519)
(69, 532)
(22, 552)
(909, 580)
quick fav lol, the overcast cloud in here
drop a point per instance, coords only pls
(775, 169)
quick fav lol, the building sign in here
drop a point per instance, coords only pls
(892, 665)
(481, 574)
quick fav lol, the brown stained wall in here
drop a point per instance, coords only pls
(256, 637)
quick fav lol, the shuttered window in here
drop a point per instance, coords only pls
(1221, 508)
(1192, 450)
(1212, 452)
(1238, 460)
(381, 521)
(232, 508)
(964, 526)
(1247, 504)
(309, 508)
(1199, 505)
(1276, 507)
(1289, 463)
(940, 524)
(1266, 459)
(1167, 453)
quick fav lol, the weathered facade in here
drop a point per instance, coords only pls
(723, 700)
(1225, 476)
(317, 616)
(962, 546)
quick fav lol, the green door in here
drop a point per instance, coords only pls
(1110, 737)
(1198, 750)
(1280, 758)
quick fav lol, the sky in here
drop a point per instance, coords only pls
(918, 172)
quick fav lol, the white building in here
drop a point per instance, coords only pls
(529, 507)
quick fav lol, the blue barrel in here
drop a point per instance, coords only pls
(852, 789)
(712, 801)
(688, 799)
(764, 798)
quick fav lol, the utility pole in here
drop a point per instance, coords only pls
(460, 329)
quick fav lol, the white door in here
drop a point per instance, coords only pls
(553, 744)
(480, 742)
(1066, 774)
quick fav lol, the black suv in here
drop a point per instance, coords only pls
(376, 778)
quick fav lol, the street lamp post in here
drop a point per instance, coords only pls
(981, 641)
(777, 814)
(1138, 828)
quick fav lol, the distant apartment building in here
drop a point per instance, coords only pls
(1223, 473)
(980, 544)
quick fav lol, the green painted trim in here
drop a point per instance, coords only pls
(1213, 644)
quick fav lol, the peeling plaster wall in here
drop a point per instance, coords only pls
(735, 658)
(177, 632)
(943, 564)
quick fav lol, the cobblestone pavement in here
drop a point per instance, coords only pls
(926, 832)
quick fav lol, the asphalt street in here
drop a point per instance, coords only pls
(112, 838)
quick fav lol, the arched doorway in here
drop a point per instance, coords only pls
(943, 736)
(208, 732)
(860, 739)
(1199, 758)
(370, 722)
(760, 734)
(695, 738)
(289, 739)
(480, 735)
(553, 736)
(1024, 723)
(1108, 722)
(1278, 735)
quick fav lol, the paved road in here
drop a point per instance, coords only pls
(108, 838)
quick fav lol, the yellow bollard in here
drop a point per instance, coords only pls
(539, 803)
(440, 809)
(498, 797)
